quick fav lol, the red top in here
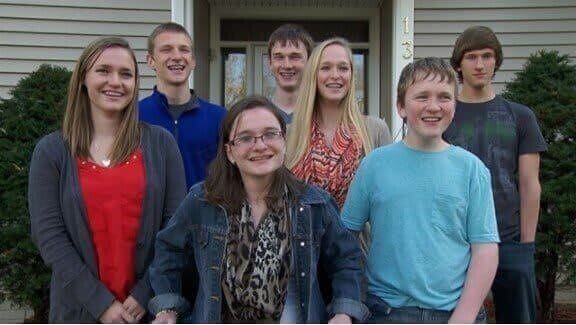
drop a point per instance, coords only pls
(113, 197)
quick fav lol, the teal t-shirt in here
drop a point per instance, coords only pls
(425, 210)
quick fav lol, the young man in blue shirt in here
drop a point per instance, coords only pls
(506, 137)
(193, 121)
(433, 251)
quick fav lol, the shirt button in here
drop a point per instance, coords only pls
(302, 244)
(301, 209)
(303, 274)
(302, 304)
(175, 121)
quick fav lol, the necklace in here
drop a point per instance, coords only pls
(106, 161)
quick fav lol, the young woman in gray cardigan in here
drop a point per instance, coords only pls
(99, 191)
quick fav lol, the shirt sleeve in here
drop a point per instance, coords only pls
(356, 210)
(530, 138)
(481, 219)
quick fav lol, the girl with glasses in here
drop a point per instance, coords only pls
(254, 236)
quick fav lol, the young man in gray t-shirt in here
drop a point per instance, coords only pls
(506, 137)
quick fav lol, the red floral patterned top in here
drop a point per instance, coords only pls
(113, 197)
(331, 168)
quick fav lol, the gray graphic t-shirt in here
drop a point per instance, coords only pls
(498, 132)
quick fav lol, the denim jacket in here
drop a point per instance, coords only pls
(196, 235)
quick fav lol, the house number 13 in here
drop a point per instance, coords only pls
(407, 49)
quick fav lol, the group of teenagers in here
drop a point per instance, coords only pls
(295, 209)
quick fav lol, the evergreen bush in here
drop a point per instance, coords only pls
(547, 84)
(34, 110)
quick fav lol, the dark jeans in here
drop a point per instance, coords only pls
(514, 288)
(382, 313)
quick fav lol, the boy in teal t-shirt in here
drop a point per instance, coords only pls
(433, 252)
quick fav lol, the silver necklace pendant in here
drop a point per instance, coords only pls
(106, 162)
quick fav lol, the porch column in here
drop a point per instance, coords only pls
(402, 53)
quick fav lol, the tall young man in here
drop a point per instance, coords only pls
(433, 251)
(506, 137)
(193, 121)
(289, 47)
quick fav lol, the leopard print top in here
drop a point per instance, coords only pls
(257, 265)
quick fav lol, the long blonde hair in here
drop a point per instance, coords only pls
(306, 106)
(78, 127)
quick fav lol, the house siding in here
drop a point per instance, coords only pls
(523, 27)
(35, 32)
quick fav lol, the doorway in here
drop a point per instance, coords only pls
(242, 65)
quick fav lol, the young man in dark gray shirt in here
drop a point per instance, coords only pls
(506, 137)
(289, 48)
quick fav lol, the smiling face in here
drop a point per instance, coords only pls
(477, 68)
(260, 159)
(287, 63)
(172, 58)
(428, 109)
(334, 74)
(111, 81)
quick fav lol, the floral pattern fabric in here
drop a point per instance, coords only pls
(331, 168)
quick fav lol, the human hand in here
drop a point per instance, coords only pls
(340, 319)
(134, 309)
(115, 314)
(165, 317)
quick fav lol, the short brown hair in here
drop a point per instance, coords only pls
(475, 38)
(163, 28)
(290, 33)
(421, 70)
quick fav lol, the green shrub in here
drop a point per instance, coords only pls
(547, 84)
(34, 110)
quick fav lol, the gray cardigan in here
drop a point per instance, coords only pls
(60, 226)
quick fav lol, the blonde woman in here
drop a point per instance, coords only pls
(329, 135)
(99, 190)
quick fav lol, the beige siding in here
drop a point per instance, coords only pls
(523, 27)
(34, 32)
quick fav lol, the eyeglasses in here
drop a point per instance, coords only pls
(247, 141)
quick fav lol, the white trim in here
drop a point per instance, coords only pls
(182, 12)
(402, 32)
(373, 17)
